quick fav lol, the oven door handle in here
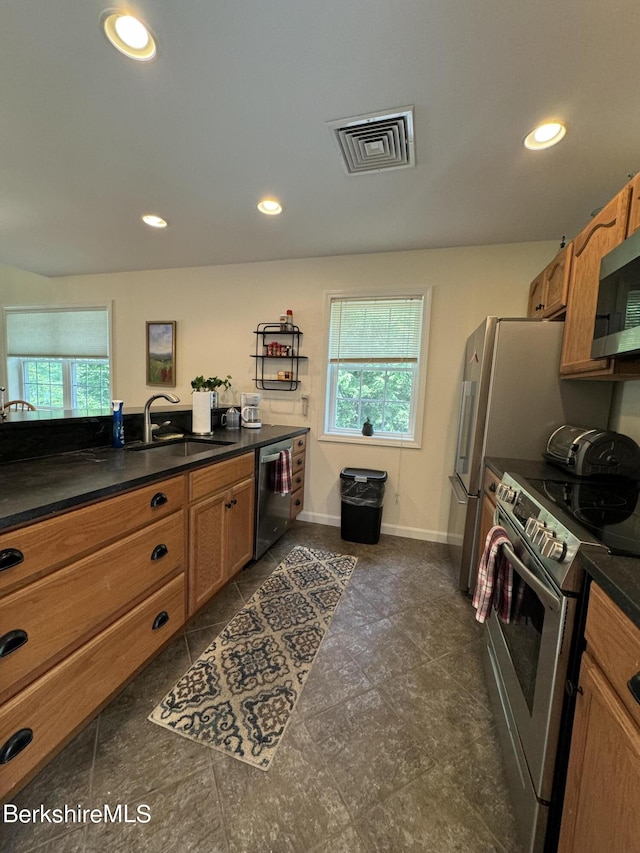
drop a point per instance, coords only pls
(539, 587)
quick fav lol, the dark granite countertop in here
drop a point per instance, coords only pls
(619, 577)
(32, 489)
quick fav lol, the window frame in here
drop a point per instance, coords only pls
(13, 375)
(325, 433)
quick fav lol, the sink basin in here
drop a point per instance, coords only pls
(182, 447)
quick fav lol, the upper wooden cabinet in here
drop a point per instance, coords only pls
(556, 278)
(605, 231)
(634, 209)
(549, 290)
(536, 297)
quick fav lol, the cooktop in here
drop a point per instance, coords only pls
(608, 509)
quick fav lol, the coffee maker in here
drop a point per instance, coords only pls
(250, 411)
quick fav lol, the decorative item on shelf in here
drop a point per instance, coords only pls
(367, 427)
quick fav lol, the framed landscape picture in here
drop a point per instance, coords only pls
(161, 352)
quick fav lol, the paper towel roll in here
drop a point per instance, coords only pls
(201, 420)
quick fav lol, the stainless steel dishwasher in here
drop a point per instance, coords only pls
(273, 509)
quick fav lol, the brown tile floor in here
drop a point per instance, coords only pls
(391, 746)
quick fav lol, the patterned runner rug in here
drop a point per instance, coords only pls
(238, 696)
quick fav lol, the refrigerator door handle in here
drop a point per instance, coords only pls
(464, 427)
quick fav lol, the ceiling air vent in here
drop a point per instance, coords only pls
(374, 142)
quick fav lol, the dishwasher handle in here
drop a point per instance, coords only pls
(273, 457)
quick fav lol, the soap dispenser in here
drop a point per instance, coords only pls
(117, 434)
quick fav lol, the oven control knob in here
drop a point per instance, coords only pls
(533, 526)
(552, 548)
(505, 493)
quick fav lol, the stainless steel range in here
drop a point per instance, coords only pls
(531, 657)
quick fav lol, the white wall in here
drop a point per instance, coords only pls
(217, 309)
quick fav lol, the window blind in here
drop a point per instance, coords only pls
(375, 330)
(58, 332)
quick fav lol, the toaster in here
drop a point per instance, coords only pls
(593, 452)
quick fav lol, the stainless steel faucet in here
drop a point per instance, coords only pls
(147, 435)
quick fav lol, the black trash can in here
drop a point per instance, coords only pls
(362, 491)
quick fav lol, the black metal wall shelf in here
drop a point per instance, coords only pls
(283, 349)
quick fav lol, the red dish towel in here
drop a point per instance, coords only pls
(495, 578)
(282, 474)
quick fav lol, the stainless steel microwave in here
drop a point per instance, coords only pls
(617, 325)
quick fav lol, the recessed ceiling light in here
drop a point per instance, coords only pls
(270, 206)
(154, 221)
(545, 135)
(129, 35)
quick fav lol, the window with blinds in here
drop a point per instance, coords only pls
(58, 357)
(375, 347)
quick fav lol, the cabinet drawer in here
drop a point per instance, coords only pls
(220, 475)
(297, 502)
(297, 462)
(299, 443)
(614, 642)
(490, 484)
(297, 480)
(68, 605)
(31, 551)
(56, 705)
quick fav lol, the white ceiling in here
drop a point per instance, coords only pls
(236, 106)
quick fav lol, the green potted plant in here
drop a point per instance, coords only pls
(210, 384)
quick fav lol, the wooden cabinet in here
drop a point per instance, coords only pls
(634, 208)
(40, 719)
(86, 598)
(536, 297)
(602, 801)
(549, 290)
(297, 473)
(556, 279)
(221, 524)
(606, 230)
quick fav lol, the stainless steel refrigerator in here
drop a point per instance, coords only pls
(511, 400)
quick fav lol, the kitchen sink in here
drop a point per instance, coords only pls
(182, 447)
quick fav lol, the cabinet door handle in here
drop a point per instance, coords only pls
(159, 499)
(298, 480)
(300, 442)
(159, 552)
(492, 486)
(634, 686)
(234, 502)
(228, 505)
(297, 501)
(161, 619)
(10, 557)
(15, 744)
(11, 641)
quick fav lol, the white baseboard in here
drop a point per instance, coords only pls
(390, 529)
